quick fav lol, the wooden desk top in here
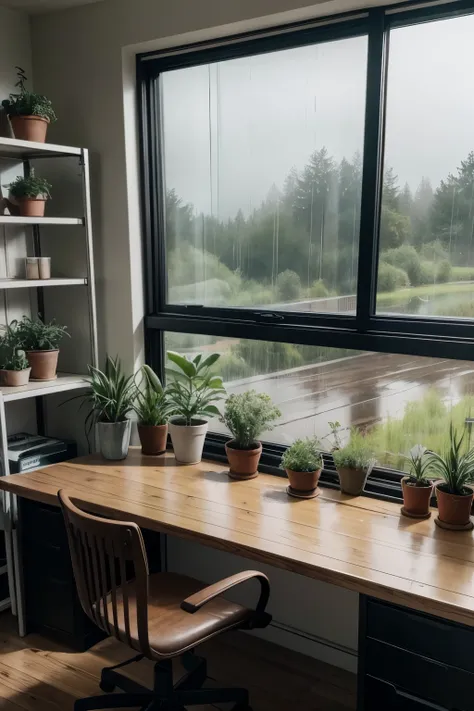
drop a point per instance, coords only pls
(359, 543)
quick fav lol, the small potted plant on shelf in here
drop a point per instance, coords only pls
(152, 408)
(30, 193)
(193, 389)
(111, 397)
(247, 415)
(15, 370)
(303, 463)
(41, 343)
(30, 114)
(354, 463)
(454, 493)
(417, 488)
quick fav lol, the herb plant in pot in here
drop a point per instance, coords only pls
(417, 488)
(354, 463)
(454, 493)
(111, 398)
(152, 409)
(41, 342)
(303, 463)
(14, 367)
(30, 193)
(247, 415)
(30, 114)
(192, 390)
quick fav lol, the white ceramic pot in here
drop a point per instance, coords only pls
(188, 440)
(114, 439)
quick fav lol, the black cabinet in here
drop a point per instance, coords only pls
(51, 602)
(410, 661)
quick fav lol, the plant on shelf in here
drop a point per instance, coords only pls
(152, 408)
(246, 416)
(192, 390)
(30, 193)
(303, 462)
(454, 493)
(354, 463)
(14, 367)
(29, 113)
(417, 488)
(41, 342)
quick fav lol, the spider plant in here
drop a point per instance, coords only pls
(456, 466)
(421, 462)
(152, 405)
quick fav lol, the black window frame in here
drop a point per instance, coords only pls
(365, 330)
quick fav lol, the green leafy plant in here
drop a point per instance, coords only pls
(420, 463)
(12, 356)
(35, 335)
(304, 455)
(357, 454)
(193, 387)
(336, 428)
(111, 395)
(247, 415)
(30, 186)
(27, 103)
(456, 466)
(151, 401)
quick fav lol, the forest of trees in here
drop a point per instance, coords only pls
(302, 241)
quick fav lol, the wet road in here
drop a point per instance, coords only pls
(357, 391)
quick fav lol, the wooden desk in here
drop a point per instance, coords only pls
(360, 544)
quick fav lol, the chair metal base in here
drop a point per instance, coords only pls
(164, 696)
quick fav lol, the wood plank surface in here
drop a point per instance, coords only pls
(358, 543)
(37, 674)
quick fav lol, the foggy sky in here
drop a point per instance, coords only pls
(234, 128)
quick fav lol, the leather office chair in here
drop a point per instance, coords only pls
(160, 616)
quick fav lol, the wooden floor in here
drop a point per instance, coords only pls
(39, 675)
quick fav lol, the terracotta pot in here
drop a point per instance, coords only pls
(14, 378)
(29, 128)
(452, 508)
(416, 499)
(188, 440)
(43, 364)
(352, 481)
(32, 207)
(153, 438)
(243, 463)
(303, 481)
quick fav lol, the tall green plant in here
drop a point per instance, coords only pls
(456, 466)
(247, 415)
(111, 395)
(27, 103)
(193, 388)
(151, 404)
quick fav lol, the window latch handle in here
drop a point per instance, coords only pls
(268, 316)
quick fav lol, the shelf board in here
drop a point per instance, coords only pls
(29, 283)
(12, 148)
(5, 604)
(10, 220)
(63, 383)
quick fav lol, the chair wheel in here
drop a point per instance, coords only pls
(106, 686)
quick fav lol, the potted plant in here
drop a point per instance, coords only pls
(192, 390)
(41, 343)
(416, 487)
(454, 495)
(111, 397)
(247, 415)
(354, 463)
(303, 463)
(30, 114)
(30, 193)
(14, 367)
(152, 408)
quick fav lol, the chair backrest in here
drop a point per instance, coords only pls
(111, 572)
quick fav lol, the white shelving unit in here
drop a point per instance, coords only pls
(24, 153)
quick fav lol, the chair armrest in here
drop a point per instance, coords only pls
(194, 602)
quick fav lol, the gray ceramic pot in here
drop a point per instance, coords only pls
(114, 439)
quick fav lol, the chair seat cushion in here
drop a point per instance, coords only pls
(172, 630)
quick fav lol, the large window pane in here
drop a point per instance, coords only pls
(426, 262)
(263, 178)
(397, 400)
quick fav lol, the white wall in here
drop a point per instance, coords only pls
(84, 61)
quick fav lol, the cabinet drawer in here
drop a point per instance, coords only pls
(43, 523)
(382, 696)
(422, 677)
(52, 606)
(434, 638)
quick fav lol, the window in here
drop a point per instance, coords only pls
(309, 213)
